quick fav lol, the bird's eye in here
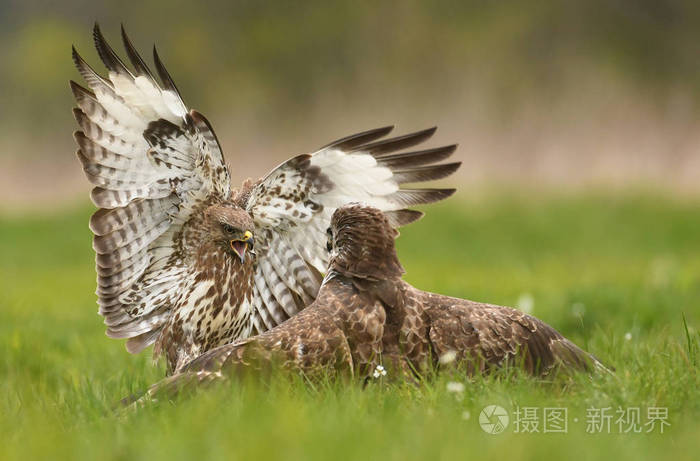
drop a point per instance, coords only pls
(229, 229)
(329, 232)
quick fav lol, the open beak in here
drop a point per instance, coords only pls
(241, 246)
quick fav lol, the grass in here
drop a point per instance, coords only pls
(618, 274)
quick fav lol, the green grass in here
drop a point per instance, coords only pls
(598, 268)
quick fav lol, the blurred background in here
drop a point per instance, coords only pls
(547, 94)
(578, 201)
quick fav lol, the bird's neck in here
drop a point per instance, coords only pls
(390, 290)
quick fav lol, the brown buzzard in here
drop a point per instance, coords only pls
(184, 260)
(366, 316)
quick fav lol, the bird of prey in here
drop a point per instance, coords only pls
(366, 316)
(184, 260)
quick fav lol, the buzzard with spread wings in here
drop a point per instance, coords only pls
(185, 261)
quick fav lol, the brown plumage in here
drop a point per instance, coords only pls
(175, 263)
(365, 316)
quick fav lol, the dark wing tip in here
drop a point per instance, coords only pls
(97, 222)
(410, 197)
(200, 120)
(395, 144)
(201, 123)
(77, 59)
(80, 93)
(426, 173)
(399, 218)
(83, 159)
(78, 114)
(99, 41)
(79, 137)
(165, 77)
(107, 54)
(445, 193)
(135, 58)
(358, 139)
(417, 158)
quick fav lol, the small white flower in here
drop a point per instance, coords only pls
(525, 303)
(455, 386)
(466, 415)
(628, 336)
(379, 371)
(448, 357)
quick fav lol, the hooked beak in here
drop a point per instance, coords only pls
(240, 246)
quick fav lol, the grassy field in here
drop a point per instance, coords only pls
(615, 273)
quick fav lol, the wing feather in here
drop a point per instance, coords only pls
(398, 143)
(426, 173)
(270, 312)
(349, 142)
(295, 201)
(490, 335)
(419, 158)
(135, 58)
(153, 163)
(116, 121)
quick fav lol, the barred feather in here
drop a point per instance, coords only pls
(270, 312)
(397, 143)
(107, 54)
(118, 282)
(137, 212)
(138, 343)
(280, 292)
(419, 158)
(105, 198)
(400, 218)
(288, 264)
(121, 237)
(349, 142)
(89, 104)
(138, 326)
(411, 197)
(426, 173)
(135, 58)
(105, 139)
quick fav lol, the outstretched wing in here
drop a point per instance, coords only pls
(152, 163)
(292, 208)
(487, 335)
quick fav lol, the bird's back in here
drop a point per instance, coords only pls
(487, 335)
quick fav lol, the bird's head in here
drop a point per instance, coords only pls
(231, 228)
(361, 243)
